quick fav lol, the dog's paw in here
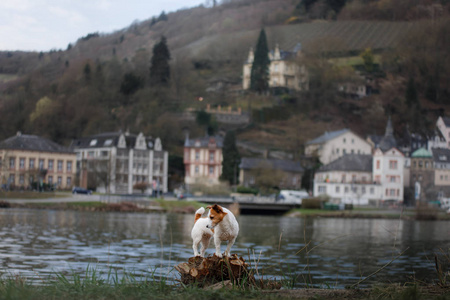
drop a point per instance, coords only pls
(219, 255)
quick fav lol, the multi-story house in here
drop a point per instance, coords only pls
(430, 174)
(284, 70)
(361, 179)
(348, 179)
(121, 163)
(27, 159)
(388, 171)
(332, 145)
(443, 124)
(288, 173)
(203, 160)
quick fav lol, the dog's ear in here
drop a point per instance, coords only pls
(209, 207)
(218, 209)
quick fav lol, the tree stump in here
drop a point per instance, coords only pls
(204, 271)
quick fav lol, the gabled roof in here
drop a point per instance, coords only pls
(32, 143)
(446, 121)
(441, 155)
(248, 163)
(350, 162)
(204, 142)
(109, 139)
(327, 136)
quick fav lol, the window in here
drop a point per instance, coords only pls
(378, 164)
(22, 163)
(393, 164)
(60, 165)
(414, 164)
(420, 164)
(426, 165)
(344, 140)
(338, 190)
(346, 189)
(69, 166)
(343, 178)
(197, 155)
(50, 164)
(211, 156)
(12, 163)
(196, 170)
(90, 154)
(353, 141)
(393, 179)
(344, 151)
(391, 192)
(104, 154)
(31, 163)
(363, 190)
(322, 189)
(211, 170)
(93, 143)
(21, 179)
(12, 179)
(31, 178)
(69, 181)
(50, 179)
(108, 142)
(59, 180)
(337, 151)
(352, 151)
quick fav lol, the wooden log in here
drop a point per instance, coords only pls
(209, 270)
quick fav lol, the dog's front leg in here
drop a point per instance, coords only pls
(217, 242)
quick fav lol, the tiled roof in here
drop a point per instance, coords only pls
(441, 155)
(446, 121)
(32, 143)
(248, 163)
(203, 142)
(327, 136)
(108, 139)
(350, 162)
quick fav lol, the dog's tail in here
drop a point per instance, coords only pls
(199, 213)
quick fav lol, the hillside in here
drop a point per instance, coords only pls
(65, 94)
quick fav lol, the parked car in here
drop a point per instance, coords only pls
(80, 190)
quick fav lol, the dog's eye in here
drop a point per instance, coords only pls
(211, 217)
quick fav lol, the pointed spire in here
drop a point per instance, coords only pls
(389, 128)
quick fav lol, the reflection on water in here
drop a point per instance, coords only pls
(324, 252)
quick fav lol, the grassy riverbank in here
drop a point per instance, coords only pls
(111, 286)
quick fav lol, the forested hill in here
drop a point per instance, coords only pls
(85, 88)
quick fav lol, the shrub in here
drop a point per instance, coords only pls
(312, 203)
(246, 190)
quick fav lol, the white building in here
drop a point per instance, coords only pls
(348, 179)
(284, 70)
(443, 124)
(362, 179)
(335, 144)
(388, 171)
(121, 163)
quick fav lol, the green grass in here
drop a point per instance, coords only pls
(32, 195)
(171, 205)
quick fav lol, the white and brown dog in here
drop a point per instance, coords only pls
(221, 223)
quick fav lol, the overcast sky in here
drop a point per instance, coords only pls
(41, 25)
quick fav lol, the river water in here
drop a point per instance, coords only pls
(315, 252)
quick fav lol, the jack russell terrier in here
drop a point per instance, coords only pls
(221, 223)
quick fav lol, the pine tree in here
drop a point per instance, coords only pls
(259, 77)
(159, 68)
(231, 159)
